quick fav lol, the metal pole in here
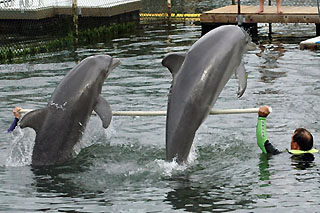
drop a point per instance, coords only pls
(163, 113)
(240, 18)
(270, 25)
(75, 27)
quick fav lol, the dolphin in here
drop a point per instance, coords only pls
(199, 76)
(61, 124)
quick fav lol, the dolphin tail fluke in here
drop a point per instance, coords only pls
(34, 119)
(173, 62)
(103, 109)
(241, 75)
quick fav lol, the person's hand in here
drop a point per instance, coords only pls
(16, 112)
(264, 111)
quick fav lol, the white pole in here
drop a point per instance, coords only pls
(163, 113)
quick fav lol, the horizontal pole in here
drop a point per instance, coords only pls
(163, 113)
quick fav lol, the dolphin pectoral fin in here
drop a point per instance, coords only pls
(173, 62)
(34, 119)
(103, 109)
(242, 79)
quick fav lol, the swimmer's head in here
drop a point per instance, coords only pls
(302, 139)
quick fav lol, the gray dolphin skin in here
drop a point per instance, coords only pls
(198, 79)
(60, 125)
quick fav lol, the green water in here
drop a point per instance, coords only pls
(122, 169)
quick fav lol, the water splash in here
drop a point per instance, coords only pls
(93, 134)
(21, 148)
(173, 167)
(110, 131)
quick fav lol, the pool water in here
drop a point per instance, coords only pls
(123, 168)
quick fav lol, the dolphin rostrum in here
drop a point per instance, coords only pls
(198, 79)
(61, 124)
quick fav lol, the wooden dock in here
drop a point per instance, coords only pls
(48, 9)
(47, 15)
(229, 14)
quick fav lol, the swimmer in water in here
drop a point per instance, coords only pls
(301, 140)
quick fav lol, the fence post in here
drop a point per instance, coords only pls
(233, 2)
(75, 27)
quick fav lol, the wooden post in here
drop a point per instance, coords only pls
(169, 12)
(75, 28)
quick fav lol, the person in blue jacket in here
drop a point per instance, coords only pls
(17, 116)
(301, 140)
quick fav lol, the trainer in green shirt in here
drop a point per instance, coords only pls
(301, 140)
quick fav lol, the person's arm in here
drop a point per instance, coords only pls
(261, 132)
(271, 149)
(13, 125)
(17, 115)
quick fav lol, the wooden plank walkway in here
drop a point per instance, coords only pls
(228, 15)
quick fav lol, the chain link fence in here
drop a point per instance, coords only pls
(30, 27)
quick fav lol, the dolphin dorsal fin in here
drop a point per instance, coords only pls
(173, 62)
(34, 119)
(103, 109)
(241, 75)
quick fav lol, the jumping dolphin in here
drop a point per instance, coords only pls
(198, 79)
(60, 125)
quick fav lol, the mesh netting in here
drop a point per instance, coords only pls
(29, 27)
